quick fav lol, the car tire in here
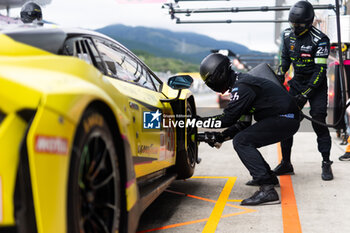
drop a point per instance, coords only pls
(186, 157)
(94, 190)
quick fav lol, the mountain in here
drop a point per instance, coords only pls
(190, 47)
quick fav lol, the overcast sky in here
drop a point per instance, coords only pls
(92, 14)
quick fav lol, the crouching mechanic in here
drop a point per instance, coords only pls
(275, 112)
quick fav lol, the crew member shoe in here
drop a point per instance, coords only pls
(327, 173)
(345, 157)
(266, 195)
(284, 168)
(254, 182)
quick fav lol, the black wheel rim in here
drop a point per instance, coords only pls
(98, 183)
(191, 141)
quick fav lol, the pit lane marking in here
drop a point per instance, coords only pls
(290, 215)
(216, 214)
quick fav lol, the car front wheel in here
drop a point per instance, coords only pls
(94, 195)
(186, 157)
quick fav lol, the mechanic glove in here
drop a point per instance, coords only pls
(219, 137)
(300, 100)
(214, 139)
(308, 93)
(303, 97)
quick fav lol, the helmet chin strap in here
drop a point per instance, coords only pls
(303, 32)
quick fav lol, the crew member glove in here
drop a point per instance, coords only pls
(219, 137)
(214, 139)
(308, 92)
(300, 100)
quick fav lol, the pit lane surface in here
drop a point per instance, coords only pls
(209, 202)
(320, 206)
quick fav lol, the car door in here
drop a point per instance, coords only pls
(153, 145)
(84, 48)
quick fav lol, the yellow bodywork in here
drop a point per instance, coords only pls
(8, 165)
(59, 89)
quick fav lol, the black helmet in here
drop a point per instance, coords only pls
(31, 11)
(301, 16)
(215, 71)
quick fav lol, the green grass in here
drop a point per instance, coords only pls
(163, 64)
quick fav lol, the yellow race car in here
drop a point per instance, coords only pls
(89, 135)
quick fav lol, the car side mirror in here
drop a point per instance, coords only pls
(180, 82)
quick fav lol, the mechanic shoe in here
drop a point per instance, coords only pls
(266, 195)
(345, 157)
(327, 173)
(284, 168)
(253, 182)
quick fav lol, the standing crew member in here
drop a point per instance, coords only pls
(307, 48)
(31, 13)
(275, 111)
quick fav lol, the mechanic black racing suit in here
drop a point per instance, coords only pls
(276, 115)
(308, 53)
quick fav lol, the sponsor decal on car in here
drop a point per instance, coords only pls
(147, 149)
(51, 145)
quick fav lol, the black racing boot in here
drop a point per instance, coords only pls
(284, 168)
(255, 182)
(266, 195)
(327, 173)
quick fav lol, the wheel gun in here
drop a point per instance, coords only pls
(210, 138)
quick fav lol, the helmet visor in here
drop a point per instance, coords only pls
(29, 16)
(217, 82)
(298, 28)
(297, 25)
